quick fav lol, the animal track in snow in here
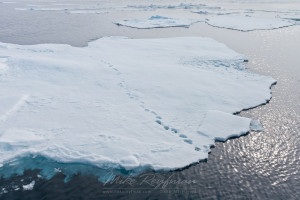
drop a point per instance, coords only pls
(158, 120)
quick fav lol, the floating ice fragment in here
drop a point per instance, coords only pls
(256, 126)
(30, 186)
(247, 23)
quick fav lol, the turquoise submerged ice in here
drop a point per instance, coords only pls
(125, 104)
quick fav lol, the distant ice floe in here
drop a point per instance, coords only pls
(66, 10)
(86, 11)
(170, 6)
(110, 7)
(121, 103)
(220, 11)
(247, 23)
(42, 9)
(293, 15)
(157, 22)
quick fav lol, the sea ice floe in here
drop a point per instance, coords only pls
(220, 11)
(70, 10)
(146, 7)
(110, 6)
(43, 9)
(247, 22)
(119, 102)
(91, 11)
(157, 22)
(76, 9)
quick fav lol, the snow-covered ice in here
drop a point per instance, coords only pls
(223, 125)
(247, 22)
(157, 22)
(123, 102)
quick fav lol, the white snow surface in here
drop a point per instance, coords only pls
(124, 102)
(247, 22)
(157, 22)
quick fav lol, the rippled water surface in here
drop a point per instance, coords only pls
(260, 165)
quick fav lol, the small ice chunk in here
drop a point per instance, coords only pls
(256, 126)
(57, 170)
(39, 176)
(3, 191)
(29, 186)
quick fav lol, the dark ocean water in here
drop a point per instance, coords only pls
(260, 165)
